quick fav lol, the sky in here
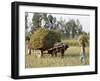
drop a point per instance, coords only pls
(84, 19)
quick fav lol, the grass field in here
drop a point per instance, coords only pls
(71, 42)
(71, 58)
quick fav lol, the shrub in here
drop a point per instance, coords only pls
(27, 38)
(44, 38)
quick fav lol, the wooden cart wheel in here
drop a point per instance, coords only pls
(37, 53)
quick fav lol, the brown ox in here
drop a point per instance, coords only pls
(58, 47)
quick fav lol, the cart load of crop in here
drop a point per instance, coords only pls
(44, 39)
(83, 38)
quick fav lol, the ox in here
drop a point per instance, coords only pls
(58, 47)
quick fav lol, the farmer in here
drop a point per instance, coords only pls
(29, 48)
(82, 54)
(82, 41)
(28, 45)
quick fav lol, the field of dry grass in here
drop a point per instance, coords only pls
(71, 58)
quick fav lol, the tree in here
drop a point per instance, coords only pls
(36, 20)
(79, 27)
(50, 21)
(44, 20)
(71, 28)
(54, 23)
(50, 18)
(26, 20)
(43, 38)
(62, 28)
(26, 23)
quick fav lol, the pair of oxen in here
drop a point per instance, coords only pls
(58, 47)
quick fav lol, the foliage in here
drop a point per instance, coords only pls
(71, 28)
(27, 38)
(50, 18)
(26, 20)
(36, 20)
(43, 38)
(51, 38)
(68, 29)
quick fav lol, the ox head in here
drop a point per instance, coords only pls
(66, 47)
(50, 51)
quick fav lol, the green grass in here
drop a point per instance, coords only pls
(71, 42)
(71, 58)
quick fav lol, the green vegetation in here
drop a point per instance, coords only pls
(76, 42)
(43, 38)
(45, 30)
(71, 42)
(71, 58)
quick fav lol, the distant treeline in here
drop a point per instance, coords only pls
(67, 29)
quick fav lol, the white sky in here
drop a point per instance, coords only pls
(84, 19)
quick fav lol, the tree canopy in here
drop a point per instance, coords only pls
(68, 29)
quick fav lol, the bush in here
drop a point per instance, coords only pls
(27, 38)
(44, 38)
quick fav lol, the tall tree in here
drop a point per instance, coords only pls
(71, 28)
(62, 27)
(50, 21)
(26, 20)
(79, 27)
(26, 24)
(36, 20)
(54, 23)
(45, 20)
